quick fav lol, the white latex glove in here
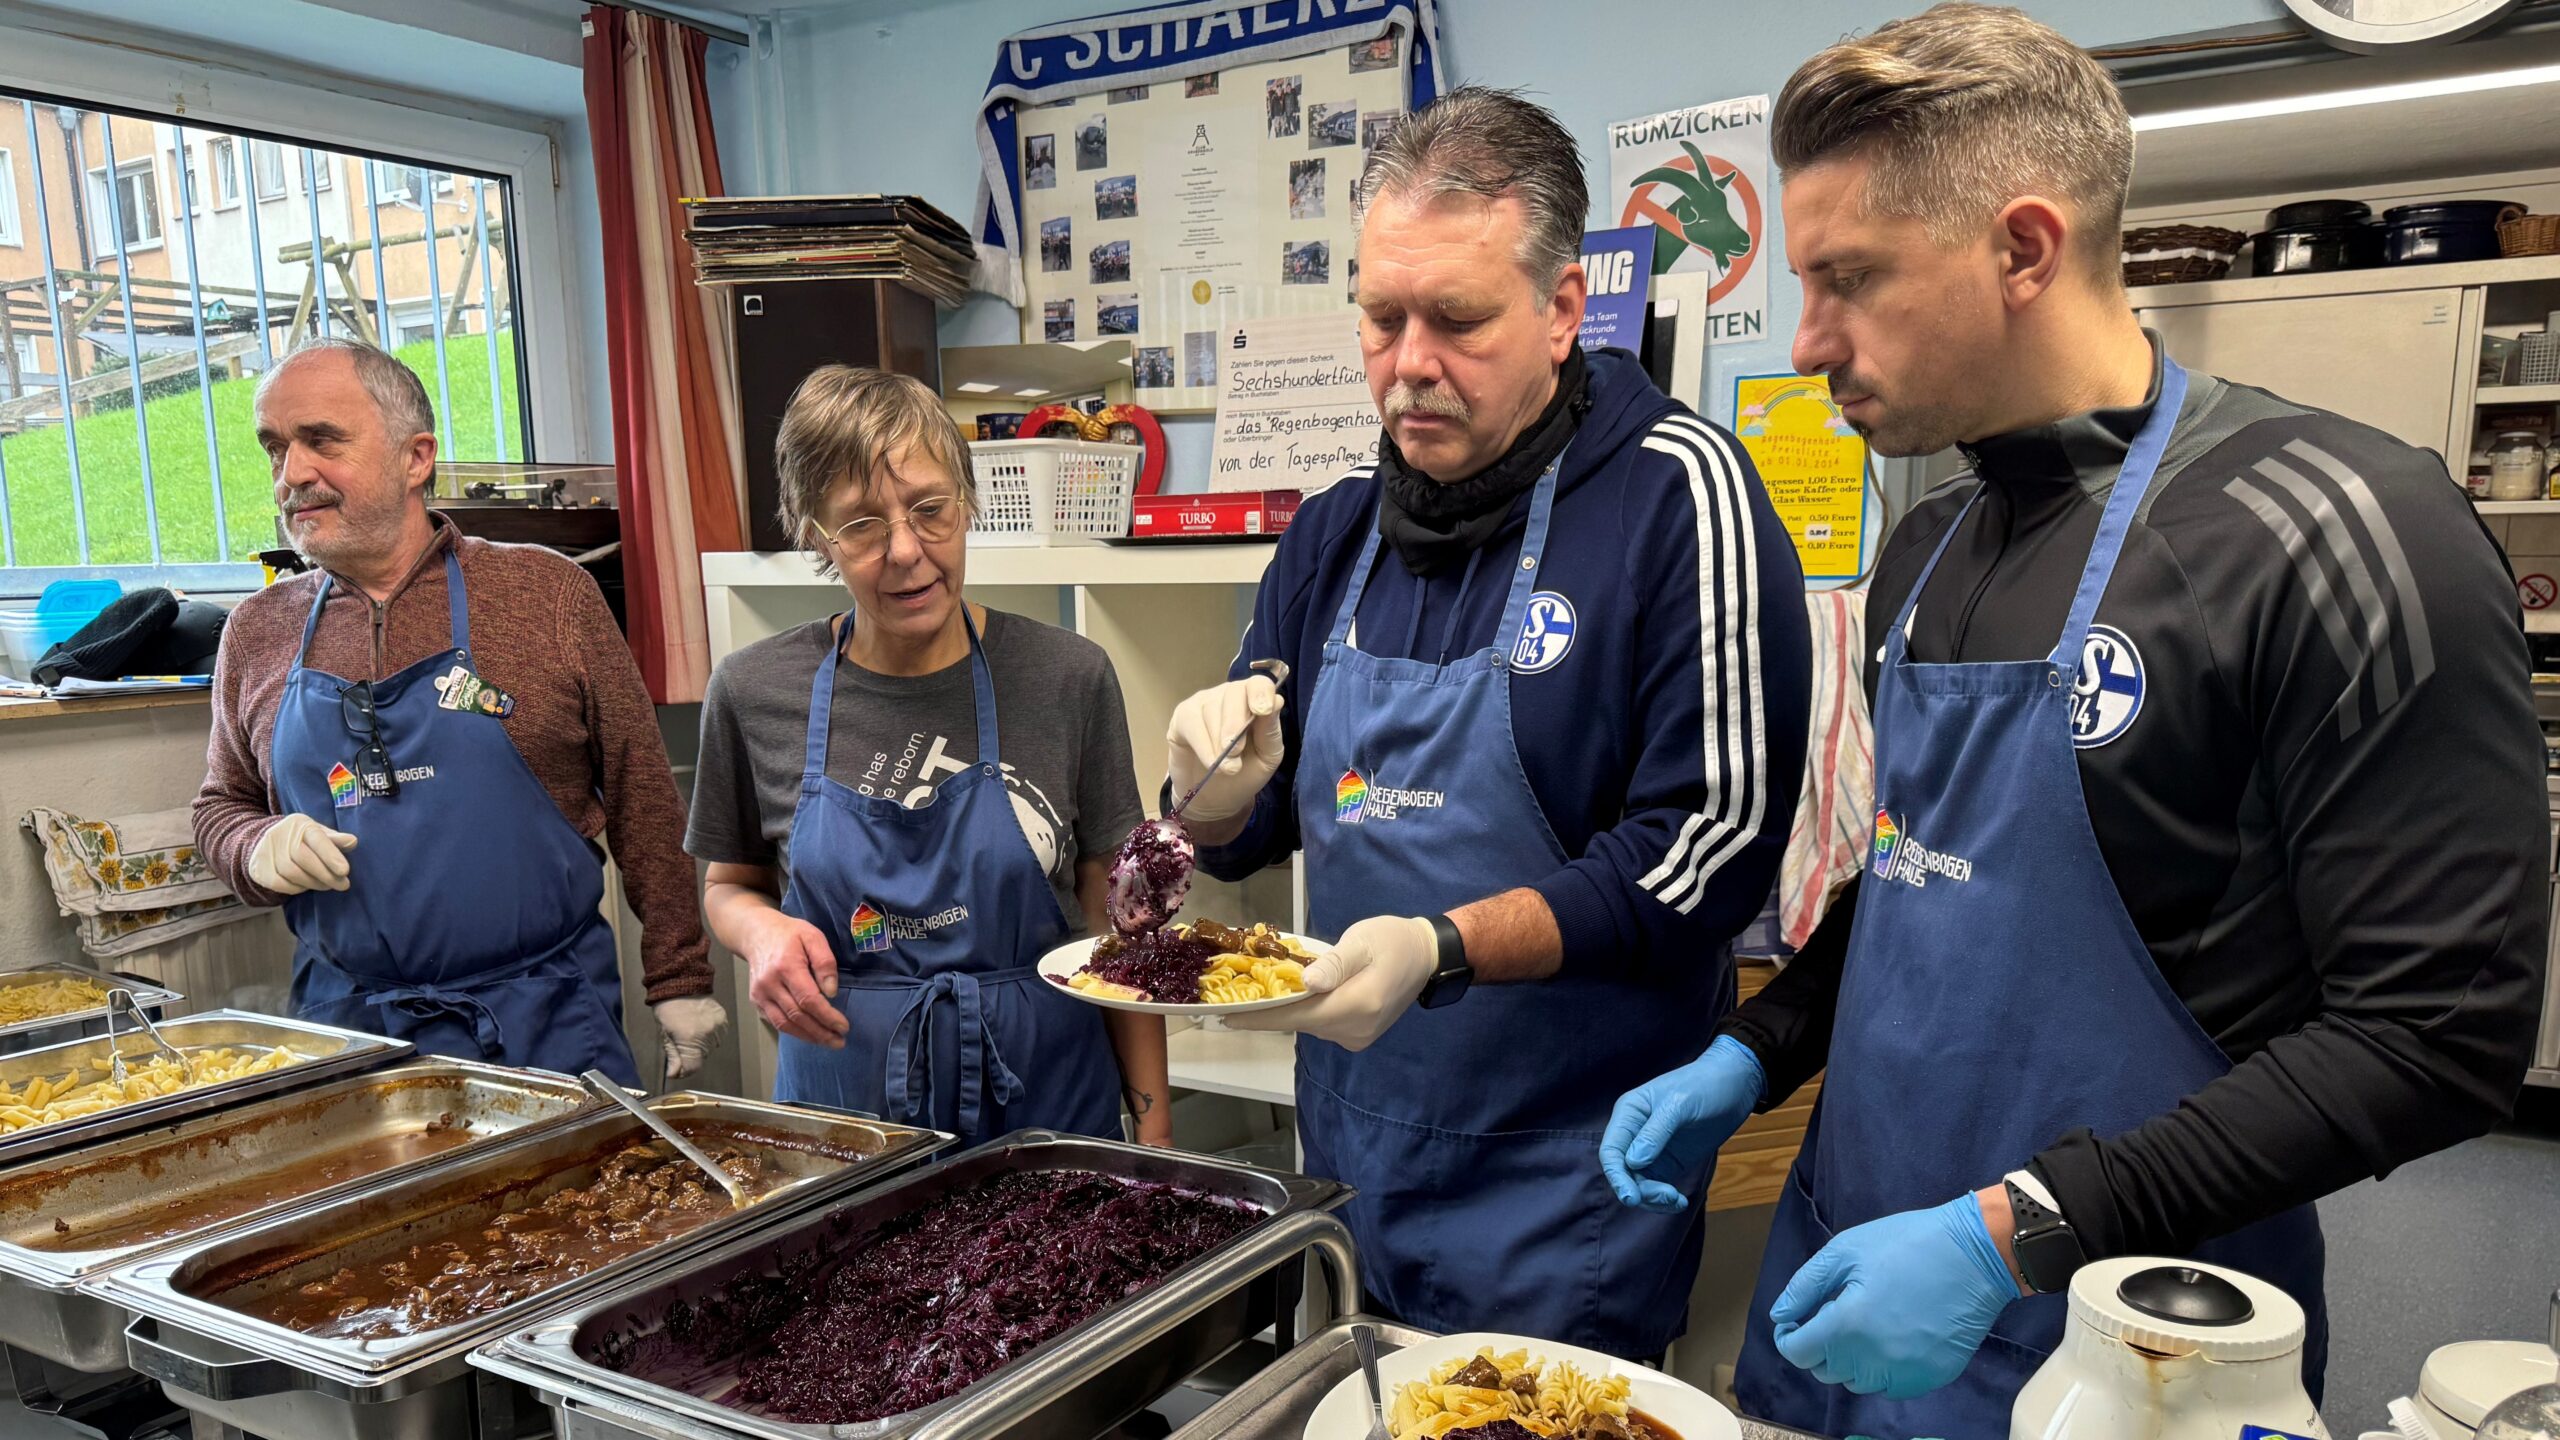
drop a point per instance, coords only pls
(1202, 726)
(299, 853)
(1361, 986)
(689, 1028)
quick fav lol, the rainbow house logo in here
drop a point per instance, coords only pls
(870, 929)
(1886, 838)
(342, 787)
(1350, 798)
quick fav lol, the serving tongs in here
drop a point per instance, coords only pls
(600, 1084)
(115, 1052)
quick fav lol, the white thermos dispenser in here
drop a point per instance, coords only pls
(2171, 1350)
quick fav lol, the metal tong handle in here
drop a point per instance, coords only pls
(1278, 670)
(1364, 1338)
(600, 1084)
(115, 1052)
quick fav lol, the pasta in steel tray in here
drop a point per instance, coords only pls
(1202, 963)
(1507, 1396)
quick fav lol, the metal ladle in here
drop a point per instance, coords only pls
(1121, 901)
(115, 1052)
(600, 1084)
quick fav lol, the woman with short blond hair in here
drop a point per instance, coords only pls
(904, 806)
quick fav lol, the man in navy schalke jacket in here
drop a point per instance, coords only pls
(1540, 746)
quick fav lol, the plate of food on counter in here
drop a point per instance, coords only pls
(1199, 968)
(1506, 1387)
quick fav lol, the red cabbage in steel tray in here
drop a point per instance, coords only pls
(936, 1299)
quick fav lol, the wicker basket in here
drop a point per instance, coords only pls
(2530, 235)
(2176, 254)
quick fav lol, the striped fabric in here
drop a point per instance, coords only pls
(677, 442)
(1835, 817)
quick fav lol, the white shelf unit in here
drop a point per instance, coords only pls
(2397, 347)
(1170, 616)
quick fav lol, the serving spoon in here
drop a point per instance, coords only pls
(1143, 896)
(599, 1084)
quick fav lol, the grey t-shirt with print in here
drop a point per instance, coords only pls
(1058, 715)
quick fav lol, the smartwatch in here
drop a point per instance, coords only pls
(2048, 1249)
(1449, 982)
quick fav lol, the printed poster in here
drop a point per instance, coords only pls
(1181, 172)
(1294, 409)
(1618, 267)
(1700, 177)
(1812, 463)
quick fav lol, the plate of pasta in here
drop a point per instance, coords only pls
(1502, 1387)
(1202, 968)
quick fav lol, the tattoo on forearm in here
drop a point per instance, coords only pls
(1140, 1102)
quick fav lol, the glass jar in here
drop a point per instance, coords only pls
(2516, 468)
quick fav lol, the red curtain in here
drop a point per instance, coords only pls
(675, 426)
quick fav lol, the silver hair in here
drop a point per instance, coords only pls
(1476, 140)
(399, 396)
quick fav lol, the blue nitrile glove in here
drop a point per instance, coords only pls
(1670, 1124)
(1897, 1306)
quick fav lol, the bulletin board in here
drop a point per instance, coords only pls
(1172, 212)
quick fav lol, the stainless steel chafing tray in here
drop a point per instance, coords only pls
(326, 1051)
(1277, 1403)
(1079, 1382)
(46, 1030)
(68, 1217)
(275, 1382)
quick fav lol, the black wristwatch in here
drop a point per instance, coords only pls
(2048, 1249)
(1449, 982)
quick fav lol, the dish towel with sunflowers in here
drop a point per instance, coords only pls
(132, 882)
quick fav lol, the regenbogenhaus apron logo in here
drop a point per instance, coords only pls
(1898, 857)
(1357, 800)
(1546, 634)
(874, 929)
(343, 790)
(869, 929)
(2106, 696)
(1350, 799)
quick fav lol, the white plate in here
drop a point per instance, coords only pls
(1343, 1414)
(1069, 958)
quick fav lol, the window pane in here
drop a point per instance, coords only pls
(204, 289)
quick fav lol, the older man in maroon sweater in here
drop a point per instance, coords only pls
(416, 747)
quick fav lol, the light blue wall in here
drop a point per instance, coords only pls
(883, 96)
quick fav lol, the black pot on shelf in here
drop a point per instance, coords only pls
(2310, 250)
(2444, 232)
(2318, 214)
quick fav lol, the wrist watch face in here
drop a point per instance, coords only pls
(2048, 1257)
(2370, 26)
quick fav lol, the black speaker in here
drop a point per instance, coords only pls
(788, 328)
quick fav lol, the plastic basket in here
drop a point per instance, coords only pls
(1031, 492)
(2539, 361)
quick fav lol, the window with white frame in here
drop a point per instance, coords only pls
(135, 206)
(10, 231)
(158, 473)
(225, 153)
(266, 161)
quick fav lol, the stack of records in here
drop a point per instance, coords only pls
(831, 237)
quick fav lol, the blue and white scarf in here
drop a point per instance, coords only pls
(1153, 45)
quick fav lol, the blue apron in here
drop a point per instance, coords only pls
(472, 924)
(1469, 1131)
(937, 915)
(1991, 1005)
